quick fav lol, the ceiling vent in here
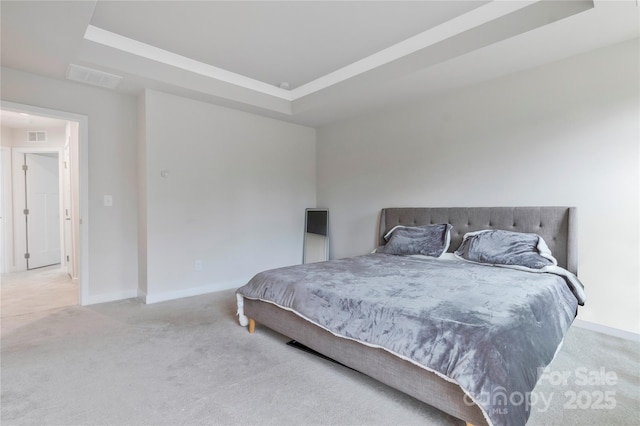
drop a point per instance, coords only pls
(36, 136)
(91, 76)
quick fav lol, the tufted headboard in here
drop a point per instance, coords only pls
(556, 225)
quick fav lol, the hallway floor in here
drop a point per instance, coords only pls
(38, 290)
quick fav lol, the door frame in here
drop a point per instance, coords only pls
(83, 184)
(7, 210)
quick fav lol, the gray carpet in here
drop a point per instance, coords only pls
(187, 362)
(37, 290)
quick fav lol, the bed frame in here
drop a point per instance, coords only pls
(558, 227)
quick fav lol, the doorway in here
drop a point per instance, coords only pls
(37, 200)
(42, 210)
(50, 187)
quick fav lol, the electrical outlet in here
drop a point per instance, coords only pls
(198, 265)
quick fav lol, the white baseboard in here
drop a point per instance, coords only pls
(188, 292)
(616, 332)
(109, 297)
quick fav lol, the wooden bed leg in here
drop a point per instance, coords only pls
(252, 325)
(468, 424)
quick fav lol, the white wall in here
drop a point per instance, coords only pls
(6, 136)
(112, 171)
(248, 181)
(235, 196)
(6, 207)
(562, 134)
(56, 137)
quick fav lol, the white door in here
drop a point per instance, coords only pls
(43, 206)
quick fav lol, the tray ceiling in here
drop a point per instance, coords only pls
(338, 58)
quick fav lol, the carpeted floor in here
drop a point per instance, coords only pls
(37, 290)
(187, 362)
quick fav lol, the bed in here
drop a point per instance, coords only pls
(492, 389)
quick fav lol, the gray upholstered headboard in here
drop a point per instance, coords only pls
(557, 225)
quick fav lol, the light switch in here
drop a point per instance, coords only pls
(108, 200)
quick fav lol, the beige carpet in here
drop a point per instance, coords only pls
(37, 290)
(187, 362)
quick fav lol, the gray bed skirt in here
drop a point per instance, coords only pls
(376, 363)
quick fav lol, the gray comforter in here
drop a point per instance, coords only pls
(485, 328)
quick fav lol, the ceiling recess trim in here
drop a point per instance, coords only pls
(119, 42)
(465, 22)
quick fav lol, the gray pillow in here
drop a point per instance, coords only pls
(500, 247)
(429, 240)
